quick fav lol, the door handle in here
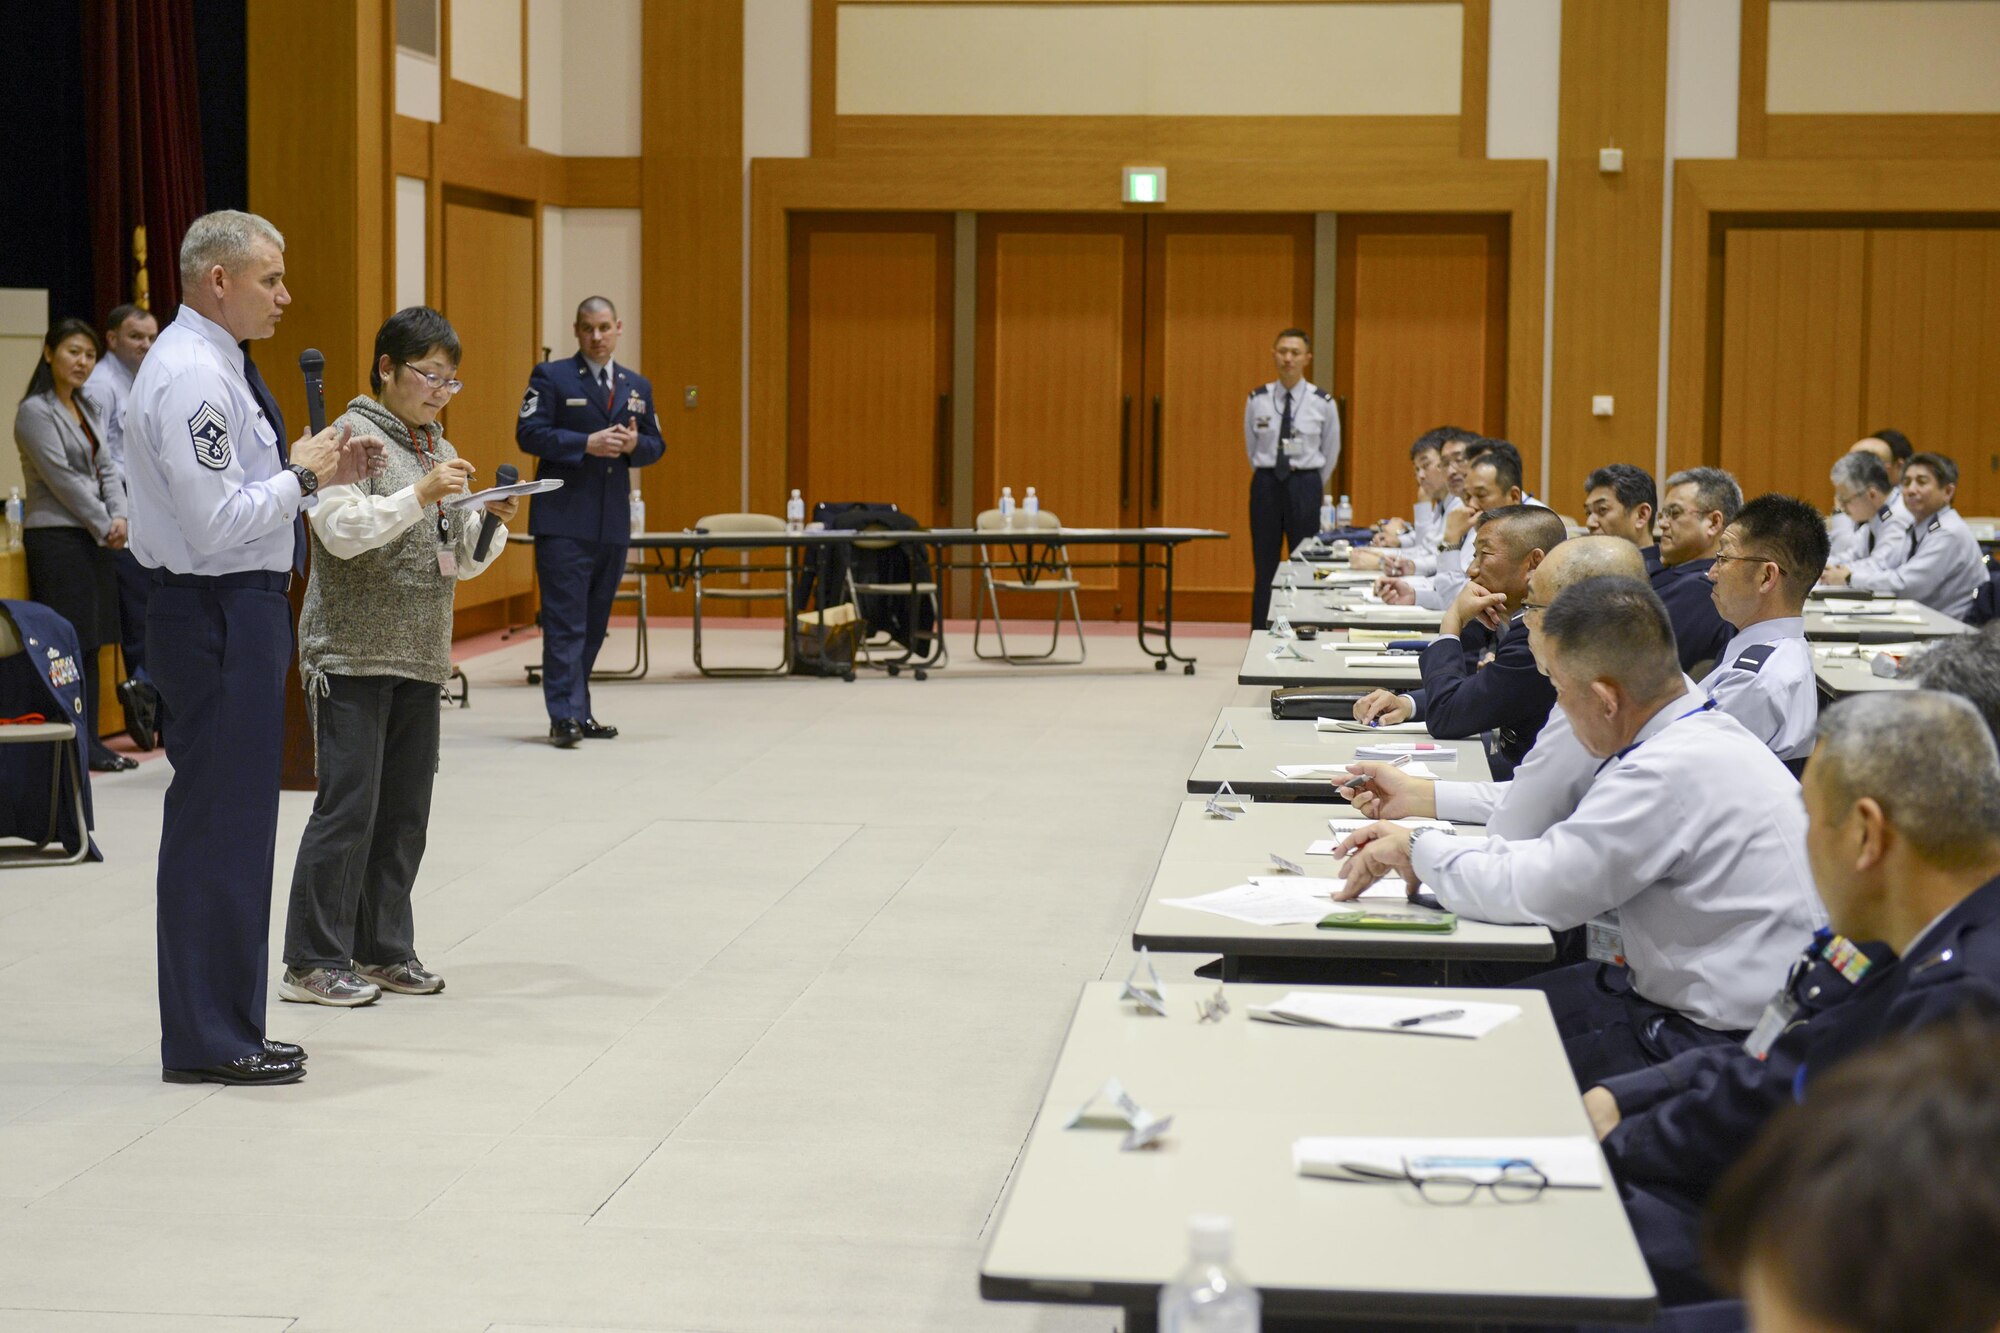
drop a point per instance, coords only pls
(1159, 449)
(1125, 455)
(941, 469)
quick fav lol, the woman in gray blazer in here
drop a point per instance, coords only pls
(73, 506)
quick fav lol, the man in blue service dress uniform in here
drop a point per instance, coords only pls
(591, 422)
(216, 501)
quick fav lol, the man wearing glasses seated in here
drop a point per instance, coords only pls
(1699, 503)
(1768, 559)
(1691, 832)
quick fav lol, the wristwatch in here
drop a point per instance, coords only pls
(308, 479)
(1416, 835)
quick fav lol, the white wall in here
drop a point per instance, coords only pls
(1523, 90)
(418, 90)
(486, 44)
(1884, 57)
(584, 77)
(411, 242)
(591, 252)
(1149, 59)
(545, 75)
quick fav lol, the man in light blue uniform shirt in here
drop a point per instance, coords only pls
(128, 335)
(1945, 569)
(1766, 561)
(216, 503)
(1877, 523)
(1291, 435)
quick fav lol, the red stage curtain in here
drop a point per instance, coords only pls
(144, 119)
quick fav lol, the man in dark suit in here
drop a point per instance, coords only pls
(590, 422)
(1903, 794)
(1480, 678)
(1699, 503)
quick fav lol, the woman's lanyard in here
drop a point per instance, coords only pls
(1636, 744)
(431, 460)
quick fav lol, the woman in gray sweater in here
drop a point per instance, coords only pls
(74, 507)
(374, 653)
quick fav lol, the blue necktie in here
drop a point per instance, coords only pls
(269, 406)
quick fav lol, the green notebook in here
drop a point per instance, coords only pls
(1434, 923)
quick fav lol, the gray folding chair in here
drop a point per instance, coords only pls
(1026, 565)
(66, 779)
(736, 591)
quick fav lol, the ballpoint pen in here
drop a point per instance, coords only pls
(1361, 779)
(1438, 1017)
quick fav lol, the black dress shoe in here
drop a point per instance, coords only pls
(142, 712)
(564, 733)
(106, 761)
(593, 730)
(253, 1070)
(284, 1050)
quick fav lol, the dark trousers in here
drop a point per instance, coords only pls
(1282, 515)
(578, 581)
(219, 656)
(378, 755)
(135, 585)
(1608, 1028)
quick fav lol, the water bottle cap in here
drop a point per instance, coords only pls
(795, 494)
(1006, 490)
(1031, 490)
(1211, 1236)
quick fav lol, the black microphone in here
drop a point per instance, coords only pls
(505, 475)
(313, 366)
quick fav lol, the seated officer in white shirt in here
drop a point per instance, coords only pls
(1435, 498)
(1549, 783)
(1871, 507)
(1691, 831)
(1455, 526)
(1945, 569)
(1492, 481)
(1890, 448)
(1765, 564)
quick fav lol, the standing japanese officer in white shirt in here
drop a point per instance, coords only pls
(1291, 433)
(216, 504)
(1945, 569)
(1692, 832)
(1766, 562)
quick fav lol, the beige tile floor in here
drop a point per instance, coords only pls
(749, 1013)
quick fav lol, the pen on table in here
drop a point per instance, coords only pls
(1361, 779)
(1438, 1017)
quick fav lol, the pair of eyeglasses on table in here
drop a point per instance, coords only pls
(1451, 1181)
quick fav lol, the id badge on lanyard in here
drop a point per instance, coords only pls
(447, 557)
(1604, 941)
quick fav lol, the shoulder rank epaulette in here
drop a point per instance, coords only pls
(1753, 657)
(1260, 389)
(1936, 523)
(1322, 393)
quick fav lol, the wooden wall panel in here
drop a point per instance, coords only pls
(1421, 342)
(1933, 352)
(1608, 229)
(1792, 338)
(1060, 319)
(489, 284)
(1218, 290)
(871, 355)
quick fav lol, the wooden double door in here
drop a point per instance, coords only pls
(1111, 359)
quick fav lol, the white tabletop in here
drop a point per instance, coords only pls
(1836, 621)
(1324, 665)
(1344, 607)
(1208, 852)
(1085, 1223)
(1843, 669)
(1268, 743)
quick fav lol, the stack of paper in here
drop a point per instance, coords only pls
(1349, 724)
(1298, 771)
(1390, 751)
(1379, 1013)
(1361, 635)
(1571, 1162)
(1283, 900)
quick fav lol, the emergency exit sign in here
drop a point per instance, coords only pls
(1145, 185)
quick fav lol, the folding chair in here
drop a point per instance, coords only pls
(916, 590)
(730, 524)
(65, 778)
(632, 588)
(1027, 565)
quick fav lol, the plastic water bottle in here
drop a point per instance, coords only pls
(795, 513)
(638, 512)
(1328, 515)
(13, 518)
(1345, 514)
(1006, 506)
(1208, 1296)
(1033, 505)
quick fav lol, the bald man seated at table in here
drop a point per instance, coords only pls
(1479, 674)
(1691, 832)
(1546, 785)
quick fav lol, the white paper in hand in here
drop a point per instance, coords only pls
(477, 498)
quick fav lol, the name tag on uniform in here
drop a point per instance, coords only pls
(1778, 1015)
(1604, 942)
(448, 562)
(1263, 423)
(575, 402)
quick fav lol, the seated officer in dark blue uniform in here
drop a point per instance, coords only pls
(1903, 794)
(1699, 503)
(1480, 677)
(591, 422)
